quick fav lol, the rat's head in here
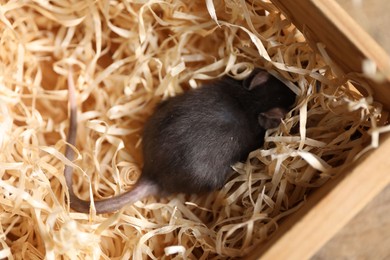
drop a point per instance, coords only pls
(268, 92)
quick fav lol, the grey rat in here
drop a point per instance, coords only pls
(191, 141)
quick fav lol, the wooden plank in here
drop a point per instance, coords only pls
(328, 209)
(371, 228)
(324, 21)
(373, 18)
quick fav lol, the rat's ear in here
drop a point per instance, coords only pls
(256, 78)
(271, 118)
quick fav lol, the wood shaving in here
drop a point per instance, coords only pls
(126, 57)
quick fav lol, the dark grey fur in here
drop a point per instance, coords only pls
(193, 139)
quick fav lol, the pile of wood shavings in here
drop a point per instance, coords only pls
(126, 57)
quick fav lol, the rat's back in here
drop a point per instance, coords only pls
(192, 140)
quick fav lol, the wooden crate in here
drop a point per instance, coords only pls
(328, 209)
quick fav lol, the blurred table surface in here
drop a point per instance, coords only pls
(367, 236)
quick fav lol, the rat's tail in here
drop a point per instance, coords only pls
(142, 188)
